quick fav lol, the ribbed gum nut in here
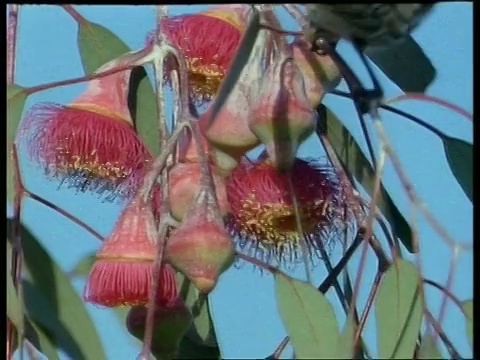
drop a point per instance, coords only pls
(320, 73)
(201, 249)
(184, 183)
(171, 322)
(229, 131)
(282, 116)
(188, 153)
(133, 235)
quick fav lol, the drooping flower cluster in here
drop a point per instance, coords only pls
(92, 142)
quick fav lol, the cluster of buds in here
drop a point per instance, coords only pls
(276, 204)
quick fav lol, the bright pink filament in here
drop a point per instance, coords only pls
(66, 140)
(270, 186)
(208, 39)
(119, 282)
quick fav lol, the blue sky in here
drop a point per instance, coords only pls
(245, 312)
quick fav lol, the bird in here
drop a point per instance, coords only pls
(376, 25)
(379, 31)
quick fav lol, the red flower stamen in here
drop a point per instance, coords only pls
(208, 40)
(91, 139)
(123, 272)
(262, 205)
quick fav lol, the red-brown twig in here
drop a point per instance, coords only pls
(280, 30)
(12, 42)
(438, 328)
(278, 351)
(65, 213)
(433, 99)
(447, 293)
(296, 14)
(412, 194)
(17, 252)
(260, 264)
(74, 14)
(407, 185)
(368, 306)
(369, 223)
(443, 305)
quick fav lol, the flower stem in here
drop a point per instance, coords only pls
(12, 42)
(65, 213)
(17, 251)
(74, 14)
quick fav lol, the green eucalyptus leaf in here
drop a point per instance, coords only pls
(405, 63)
(346, 342)
(202, 330)
(428, 349)
(468, 309)
(59, 302)
(398, 311)
(42, 339)
(16, 97)
(14, 305)
(171, 324)
(98, 45)
(82, 267)
(308, 318)
(142, 102)
(190, 349)
(357, 165)
(38, 309)
(460, 158)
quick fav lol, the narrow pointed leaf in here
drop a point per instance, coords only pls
(16, 97)
(14, 307)
(98, 45)
(143, 107)
(308, 318)
(190, 349)
(428, 349)
(41, 339)
(83, 267)
(460, 158)
(38, 309)
(405, 63)
(357, 165)
(468, 309)
(398, 311)
(202, 330)
(61, 303)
